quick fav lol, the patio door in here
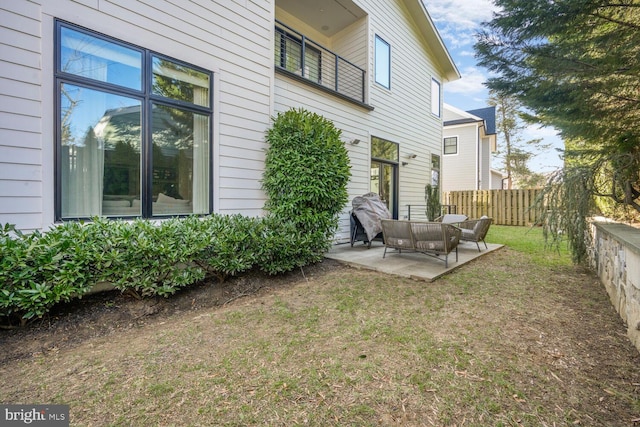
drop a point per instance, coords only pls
(384, 173)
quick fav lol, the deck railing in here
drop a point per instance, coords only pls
(298, 55)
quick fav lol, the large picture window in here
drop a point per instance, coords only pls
(133, 130)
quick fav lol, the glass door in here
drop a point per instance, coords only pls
(384, 173)
(383, 182)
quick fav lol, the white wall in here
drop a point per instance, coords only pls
(235, 41)
(232, 39)
(21, 124)
(460, 171)
(401, 114)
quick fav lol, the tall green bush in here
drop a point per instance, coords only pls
(306, 174)
(432, 199)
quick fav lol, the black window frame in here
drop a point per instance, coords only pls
(444, 145)
(147, 99)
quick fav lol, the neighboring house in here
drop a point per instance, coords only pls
(128, 109)
(497, 180)
(469, 139)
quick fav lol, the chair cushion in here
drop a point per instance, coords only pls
(430, 245)
(398, 242)
(469, 234)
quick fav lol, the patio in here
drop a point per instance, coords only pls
(407, 264)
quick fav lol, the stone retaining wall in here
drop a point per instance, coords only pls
(615, 257)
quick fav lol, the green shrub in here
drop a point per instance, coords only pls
(306, 174)
(151, 259)
(40, 270)
(230, 244)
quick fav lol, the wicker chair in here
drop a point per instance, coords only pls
(429, 238)
(475, 230)
(451, 218)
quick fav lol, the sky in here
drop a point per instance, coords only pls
(457, 22)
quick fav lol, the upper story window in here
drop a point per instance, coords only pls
(133, 130)
(451, 145)
(382, 62)
(435, 97)
(289, 56)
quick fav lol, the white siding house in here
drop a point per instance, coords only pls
(237, 64)
(469, 139)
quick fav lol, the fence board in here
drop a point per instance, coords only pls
(506, 207)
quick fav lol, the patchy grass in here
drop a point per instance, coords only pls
(519, 337)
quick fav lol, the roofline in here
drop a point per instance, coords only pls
(462, 121)
(432, 36)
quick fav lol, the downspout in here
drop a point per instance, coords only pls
(479, 156)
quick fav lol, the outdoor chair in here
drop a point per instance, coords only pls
(451, 218)
(397, 235)
(475, 230)
(429, 238)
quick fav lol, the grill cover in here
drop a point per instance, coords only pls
(369, 210)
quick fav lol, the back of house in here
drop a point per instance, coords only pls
(131, 109)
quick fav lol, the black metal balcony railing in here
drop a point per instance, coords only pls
(301, 56)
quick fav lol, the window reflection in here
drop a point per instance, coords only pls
(180, 161)
(100, 154)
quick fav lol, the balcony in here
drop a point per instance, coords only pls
(301, 58)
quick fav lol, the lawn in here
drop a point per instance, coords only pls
(519, 337)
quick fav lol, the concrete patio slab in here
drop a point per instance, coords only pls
(406, 264)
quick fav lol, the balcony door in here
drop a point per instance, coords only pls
(384, 172)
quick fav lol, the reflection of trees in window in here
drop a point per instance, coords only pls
(435, 170)
(102, 107)
(383, 149)
(178, 82)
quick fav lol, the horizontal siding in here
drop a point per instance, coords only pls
(21, 205)
(26, 222)
(459, 171)
(20, 188)
(231, 38)
(19, 172)
(402, 114)
(20, 116)
(20, 155)
(20, 138)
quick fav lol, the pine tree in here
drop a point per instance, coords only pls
(574, 64)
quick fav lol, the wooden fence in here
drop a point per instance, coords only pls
(506, 207)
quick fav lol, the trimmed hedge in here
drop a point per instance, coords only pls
(39, 270)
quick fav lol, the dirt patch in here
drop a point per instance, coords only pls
(70, 324)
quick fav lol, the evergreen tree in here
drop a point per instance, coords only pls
(574, 64)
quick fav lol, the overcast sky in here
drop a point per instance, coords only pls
(458, 21)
